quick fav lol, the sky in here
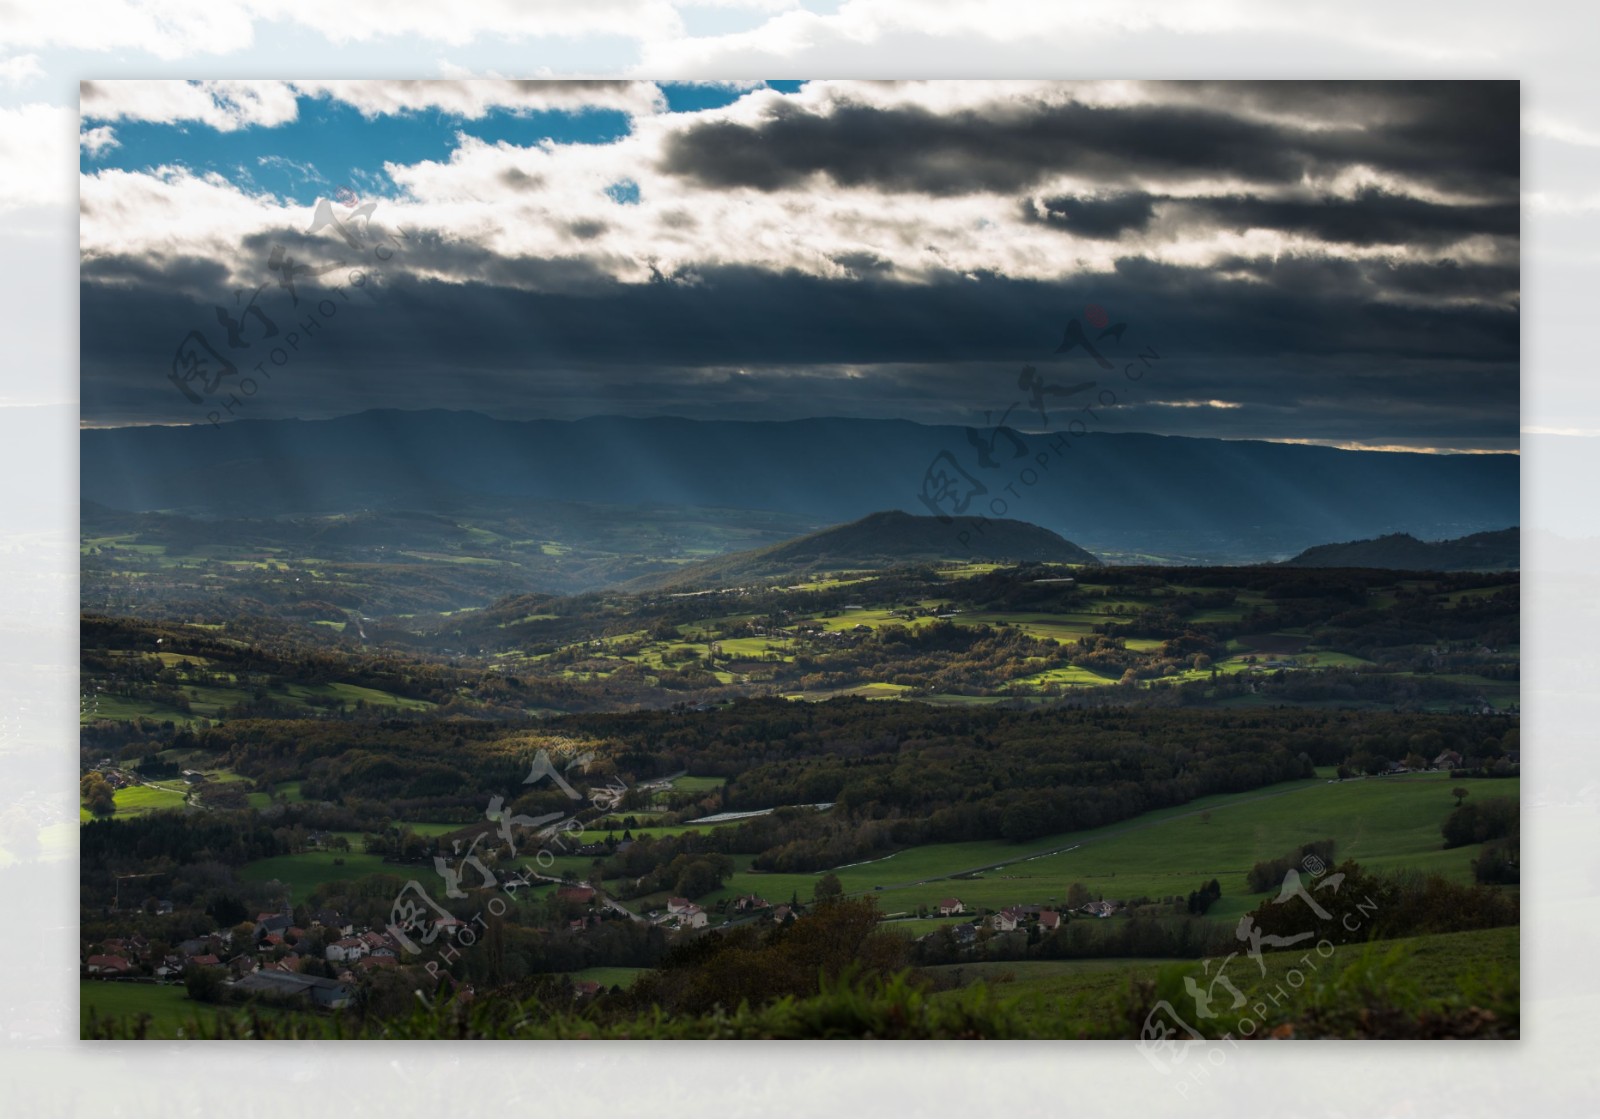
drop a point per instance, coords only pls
(1328, 262)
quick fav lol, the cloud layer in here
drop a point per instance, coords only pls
(1339, 259)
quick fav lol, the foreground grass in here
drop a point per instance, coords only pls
(166, 1009)
(1432, 968)
(1390, 990)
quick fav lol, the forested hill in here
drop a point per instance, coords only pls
(1480, 552)
(881, 540)
(1227, 500)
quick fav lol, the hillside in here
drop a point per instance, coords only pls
(1481, 552)
(1129, 495)
(879, 540)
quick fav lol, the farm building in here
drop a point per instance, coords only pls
(320, 990)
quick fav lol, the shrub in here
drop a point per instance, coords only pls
(1481, 821)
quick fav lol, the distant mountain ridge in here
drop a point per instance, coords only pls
(879, 540)
(1205, 500)
(1499, 550)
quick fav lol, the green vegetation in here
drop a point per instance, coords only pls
(167, 1005)
(134, 800)
(1443, 986)
(606, 976)
(166, 1011)
(1384, 823)
(884, 734)
(1435, 970)
(1476, 553)
(303, 872)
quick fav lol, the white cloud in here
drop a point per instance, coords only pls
(169, 30)
(1562, 130)
(514, 210)
(476, 96)
(20, 69)
(223, 105)
(230, 105)
(98, 140)
(913, 37)
(36, 156)
(174, 29)
(358, 21)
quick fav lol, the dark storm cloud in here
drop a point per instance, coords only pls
(747, 316)
(909, 148)
(1307, 350)
(1372, 217)
(1104, 218)
(1461, 136)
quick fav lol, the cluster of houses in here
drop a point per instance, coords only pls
(115, 776)
(271, 964)
(1453, 761)
(1023, 916)
(681, 913)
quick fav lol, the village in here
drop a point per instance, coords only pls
(319, 959)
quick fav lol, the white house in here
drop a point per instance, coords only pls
(1009, 919)
(346, 949)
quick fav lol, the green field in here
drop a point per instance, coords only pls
(208, 701)
(1434, 966)
(133, 801)
(1383, 823)
(305, 871)
(288, 791)
(607, 975)
(168, 1005)
(688, 784)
